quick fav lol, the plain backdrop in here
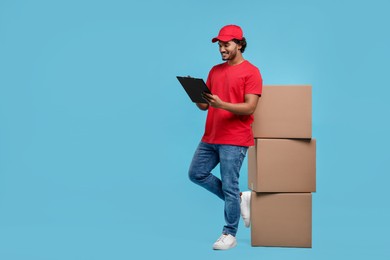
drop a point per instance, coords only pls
(96, 134)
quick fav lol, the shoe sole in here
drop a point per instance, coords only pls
(223, 248)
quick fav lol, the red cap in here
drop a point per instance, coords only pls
(228, 33)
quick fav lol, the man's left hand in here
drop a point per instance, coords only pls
(213, 100)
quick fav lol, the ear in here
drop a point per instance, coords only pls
(239, 46)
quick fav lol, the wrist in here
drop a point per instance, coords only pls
(224, 105)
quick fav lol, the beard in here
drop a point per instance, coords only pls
(225, 57)
(228, 56)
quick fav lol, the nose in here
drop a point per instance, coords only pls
(221, 49)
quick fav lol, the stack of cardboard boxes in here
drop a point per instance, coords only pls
(282, 168)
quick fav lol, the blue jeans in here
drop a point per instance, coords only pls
(230, 158)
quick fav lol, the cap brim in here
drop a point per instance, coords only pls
(222, 38)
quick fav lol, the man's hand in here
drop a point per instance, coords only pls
(213, 100)
(203, 106)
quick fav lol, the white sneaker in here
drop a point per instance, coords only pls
(225, 242)
(245, 207)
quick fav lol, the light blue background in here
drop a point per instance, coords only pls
(96, 134)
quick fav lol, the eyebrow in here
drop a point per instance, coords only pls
(223, 43)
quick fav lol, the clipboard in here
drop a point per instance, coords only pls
(194, 88)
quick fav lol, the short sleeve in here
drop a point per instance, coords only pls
(254, 82)
(208, 82)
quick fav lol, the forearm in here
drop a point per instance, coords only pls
(238, 108)
(246, 108)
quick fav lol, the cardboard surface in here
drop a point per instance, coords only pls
(282, 165)
(281, 219)
(284, 112)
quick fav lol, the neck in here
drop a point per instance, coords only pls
(237, 60)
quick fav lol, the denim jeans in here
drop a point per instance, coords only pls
(230, 158)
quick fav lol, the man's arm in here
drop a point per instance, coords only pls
(246, 108)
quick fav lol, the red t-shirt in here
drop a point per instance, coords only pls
(230, 84)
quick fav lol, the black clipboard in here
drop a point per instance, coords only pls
(194, 88)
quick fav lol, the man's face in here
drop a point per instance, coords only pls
(228, 49)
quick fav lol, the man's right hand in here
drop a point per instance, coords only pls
(203, 106)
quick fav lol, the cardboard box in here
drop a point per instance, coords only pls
(284, 112)
(281, 219)
(282, 165)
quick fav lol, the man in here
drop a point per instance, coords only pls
(236, 86)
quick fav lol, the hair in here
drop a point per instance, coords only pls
(242, 43)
